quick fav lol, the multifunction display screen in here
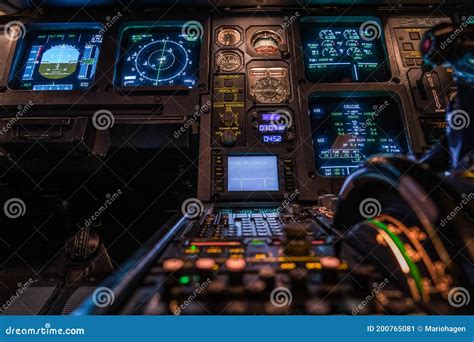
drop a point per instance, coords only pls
(347, 131)
(352, 52)
(252, 173)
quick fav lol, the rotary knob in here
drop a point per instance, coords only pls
(228, 137)
(228, 118)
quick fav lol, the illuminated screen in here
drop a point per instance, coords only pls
(335, 53)
(63, 60)
(252, 173)
(164, 57)
(273, 126)
(346, 131)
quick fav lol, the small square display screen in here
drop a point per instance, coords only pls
(252, 173)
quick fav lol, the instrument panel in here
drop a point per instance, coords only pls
(305, 97)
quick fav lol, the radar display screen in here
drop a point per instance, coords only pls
(348, 130)
(159, 57)
(65, 60)
(353, 52)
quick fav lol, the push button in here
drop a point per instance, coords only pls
(414, 35)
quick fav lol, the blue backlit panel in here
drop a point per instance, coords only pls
(159, 57)
(346, 131)
(57, 60)
(252, 173)
(347, 51)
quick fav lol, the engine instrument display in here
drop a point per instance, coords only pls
(353, 52)
(347, 131)
(159, 57)
(61, 60)
(253, 173)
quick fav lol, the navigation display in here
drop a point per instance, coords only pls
(252, 173)
(348, 130)
(64, 60)
(159, 57)
(344, 53)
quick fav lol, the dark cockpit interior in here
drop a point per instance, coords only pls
(223, 157)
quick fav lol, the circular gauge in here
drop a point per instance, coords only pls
(161, 60)
(228, 37)
(229, 61)
(266, 42)
(270, 90)
(327, 34)
(353, 51)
